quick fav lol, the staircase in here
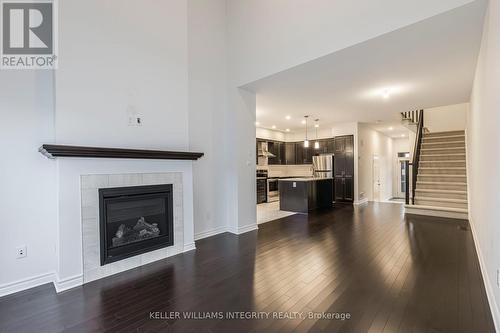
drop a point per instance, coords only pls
(441, 187)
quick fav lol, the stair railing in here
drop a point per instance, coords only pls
(419, 116)
(412, 116)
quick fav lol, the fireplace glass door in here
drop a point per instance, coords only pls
(134, 220)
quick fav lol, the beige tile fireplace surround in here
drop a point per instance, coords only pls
(90, 184)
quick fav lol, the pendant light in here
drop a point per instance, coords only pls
(306, 142)
(316, 144)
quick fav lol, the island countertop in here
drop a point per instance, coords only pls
(302, 195)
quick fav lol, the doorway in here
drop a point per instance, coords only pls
(376, 178)
(401, 175)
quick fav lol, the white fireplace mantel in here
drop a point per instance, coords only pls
(78, 243)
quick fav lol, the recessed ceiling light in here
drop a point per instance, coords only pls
(288, 130)
(303, 121)
(402, 135)
(387, 91)
(274, 126)
(288, 117)
(257, 123)
(391, 128)
(316, 125)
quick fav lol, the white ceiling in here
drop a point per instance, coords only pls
(392, 129)
(427, 64)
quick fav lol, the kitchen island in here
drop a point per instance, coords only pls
(302, 195)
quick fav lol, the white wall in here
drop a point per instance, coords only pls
(483, 156)
(115, 59)
(138, 62)
(207, 111)
(270, 36)
(27, 191)
(446, 118)
(370, 143)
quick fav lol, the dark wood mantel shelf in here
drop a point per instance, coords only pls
(53, 151)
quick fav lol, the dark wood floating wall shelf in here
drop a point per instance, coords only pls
(53, 151)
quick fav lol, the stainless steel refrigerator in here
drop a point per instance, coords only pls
(323, 166)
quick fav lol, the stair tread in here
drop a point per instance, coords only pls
(434, 199)
(456, 154)
(440, 191)
(442, 148)
(441, 168)
(440, 183)
(444, 132)
(438, 175)
(443, 161)
(446, 209)
(427, 136)
(440, 143)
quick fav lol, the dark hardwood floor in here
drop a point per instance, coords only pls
(389, 272)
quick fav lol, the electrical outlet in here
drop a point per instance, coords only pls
(21, 252)
(135, 121)
(134, 117)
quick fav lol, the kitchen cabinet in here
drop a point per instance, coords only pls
(303, 155)
(261, 191)
(330, 146)
(309, 154)
(274, 147)
(303, 195)
(289, 153)
(344, 168)
(299, 153)
(326, 146)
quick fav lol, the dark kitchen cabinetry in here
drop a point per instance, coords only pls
(330, 146)
(275, 148)
(289, 153)
(303, 155)
(326, 146)
(261, 190)
(344, 168)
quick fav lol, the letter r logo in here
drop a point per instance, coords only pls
(27, 28)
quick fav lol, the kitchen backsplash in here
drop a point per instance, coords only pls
(304, 170)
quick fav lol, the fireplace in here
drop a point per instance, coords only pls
(134, 220)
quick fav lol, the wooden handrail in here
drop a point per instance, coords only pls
(416, 153)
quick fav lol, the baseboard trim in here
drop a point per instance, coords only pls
(360, 202)
(210, 233)
(495, 313)
(68, 283)
(243, 229)
(189, 247)
(60, 285)
(24, 284)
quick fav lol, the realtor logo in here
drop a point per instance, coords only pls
(28, 35)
